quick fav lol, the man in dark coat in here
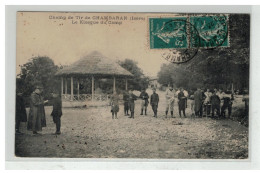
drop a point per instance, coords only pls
(182, 102)
(215, 103)
(227, 104)
(20, 112)
(131, 101)
(56, 111)
(37, 118)
(154, 100)
(126, 102)
(144, 96)
(198, 99)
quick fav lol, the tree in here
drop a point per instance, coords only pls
(219, 67)
(139, 80)
(38, 70)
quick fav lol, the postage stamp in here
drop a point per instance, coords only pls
(213, 31)
(208, 31)
(168, 33)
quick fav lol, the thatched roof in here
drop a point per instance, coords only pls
(94, 64)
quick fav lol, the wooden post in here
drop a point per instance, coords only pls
(71, 88)
(93, 85)
(126, 87)
(114, 85)
(78, 87)
(66, 86)
(61, 86)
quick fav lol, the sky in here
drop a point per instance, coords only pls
(62, 39)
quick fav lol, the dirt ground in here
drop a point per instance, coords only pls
(92, 133)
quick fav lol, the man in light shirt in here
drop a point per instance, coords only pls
(170, 98)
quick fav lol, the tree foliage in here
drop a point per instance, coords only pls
(37, 71)
(215, 68)
(139, 80)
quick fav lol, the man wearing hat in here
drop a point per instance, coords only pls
(170, 98)
(154, 102)
(20, 112)
(131, 100)
(56, 111)
(37, 113)
(144, 96)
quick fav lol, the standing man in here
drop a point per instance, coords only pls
(207, 105)
(131, 100)
(56, 111)
(114, 102)
(37, 113)
(144, 96)
(186, 94)
(215, 104)
(154, 102)
(20, 112)
(227, 104)
(220, 94)
(198, 99)
(126, 102)
(169, 101)
(182, 100)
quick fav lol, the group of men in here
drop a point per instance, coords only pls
(129, 102)
(36, 118)
(201, 101)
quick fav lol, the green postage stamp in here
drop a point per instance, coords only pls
(203, 31)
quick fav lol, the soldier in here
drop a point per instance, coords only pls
(131, 101)
(37, 118)
(56, 111)
(207, 104)
(181, 103)
(20, 115)
(186, 94)
(192, 104)
(215, 103)
(154, 102)
(144, 96)
(227, 104)
(198, 100)
(169, 101)
(126, 102)
(114, 102)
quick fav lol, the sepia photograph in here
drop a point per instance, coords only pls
(132, 85)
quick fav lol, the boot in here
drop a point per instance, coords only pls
(142, 112)
(145, 111)
(116, 116)
(155, 114)
(133, 115)
(166, 113)
(172, 114)
(112, 115)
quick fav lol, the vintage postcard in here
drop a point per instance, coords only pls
(132, 85)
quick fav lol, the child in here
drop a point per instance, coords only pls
(56, 112)
(114, 105)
